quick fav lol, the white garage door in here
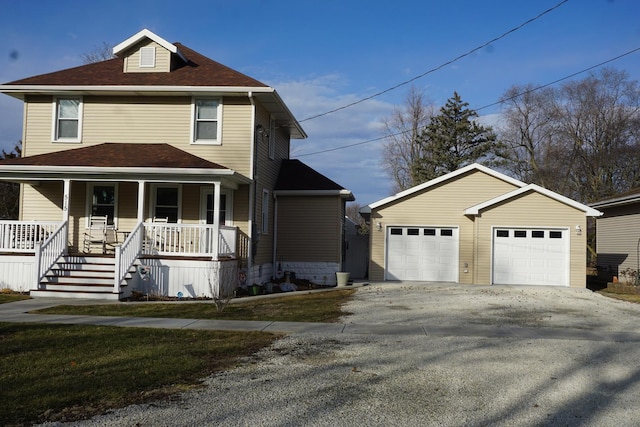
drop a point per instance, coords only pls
(531, 256)
(422, 253)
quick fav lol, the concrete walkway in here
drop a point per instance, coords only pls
(19, 312)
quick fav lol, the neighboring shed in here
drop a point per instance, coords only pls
(618, 236)
(478, 226)
(312, 207)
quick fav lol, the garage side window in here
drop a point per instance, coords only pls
(396, 231)
(555, 234)
(502, 233)
(446, 232)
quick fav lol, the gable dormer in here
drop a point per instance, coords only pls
(146, 52)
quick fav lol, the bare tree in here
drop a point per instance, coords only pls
(99, 53)
(600, 117)
(401, 147)
(581, 139)
(529, 132)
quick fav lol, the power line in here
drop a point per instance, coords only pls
(486, 106)
(558, 80)
(438, 67)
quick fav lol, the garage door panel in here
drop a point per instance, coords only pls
(422, 253)
(530, 256)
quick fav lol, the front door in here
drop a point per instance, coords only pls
(207, 205)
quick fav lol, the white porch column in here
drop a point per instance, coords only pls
(216, 219)
(141, 201)
(65, 211)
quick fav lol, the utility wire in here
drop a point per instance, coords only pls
(438, 67)
(486, 106)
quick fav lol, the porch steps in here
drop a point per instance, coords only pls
(82, 276)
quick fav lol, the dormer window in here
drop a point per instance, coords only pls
(206, 121)
(67, 119)
(147, 57)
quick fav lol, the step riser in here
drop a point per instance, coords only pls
(79, 288)
(84, 267)
(84, 295)
(79, 280)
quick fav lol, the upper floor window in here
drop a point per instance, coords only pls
(67, 119)
(206, 121)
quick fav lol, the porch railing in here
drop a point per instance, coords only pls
(22, 236)
(126, 255)
(48, 251)
(189, 239)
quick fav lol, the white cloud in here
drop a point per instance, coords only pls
(336, 146)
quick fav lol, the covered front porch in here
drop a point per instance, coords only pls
(169, 217)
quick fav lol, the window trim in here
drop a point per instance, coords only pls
(154, 197)
(55, 119)
(194, 121)
(89, 202)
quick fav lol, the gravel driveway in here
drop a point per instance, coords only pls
(454, 379)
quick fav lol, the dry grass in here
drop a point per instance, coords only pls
(63, 373)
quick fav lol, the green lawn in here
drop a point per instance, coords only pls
(67, 372)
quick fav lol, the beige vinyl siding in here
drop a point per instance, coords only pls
(309, 229)
(145, 120)
(440, 205)
(136, 119)
(617, 237)
(532, 210)
(38, 119)
(43, 202)
(162, 62)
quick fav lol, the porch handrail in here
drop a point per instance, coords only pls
(126, 255)
(48, 252)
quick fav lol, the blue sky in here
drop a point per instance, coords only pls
(323, 55)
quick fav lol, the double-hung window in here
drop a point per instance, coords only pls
(67, 125)
(206, 121)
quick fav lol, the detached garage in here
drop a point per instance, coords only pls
(476, 225)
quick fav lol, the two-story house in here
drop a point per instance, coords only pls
(157, 170)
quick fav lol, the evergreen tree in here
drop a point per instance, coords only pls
(453, 140)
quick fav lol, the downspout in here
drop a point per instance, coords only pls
(252, 190)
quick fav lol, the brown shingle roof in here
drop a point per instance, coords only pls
(198, 71)
(118, 155)
(296, 176)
